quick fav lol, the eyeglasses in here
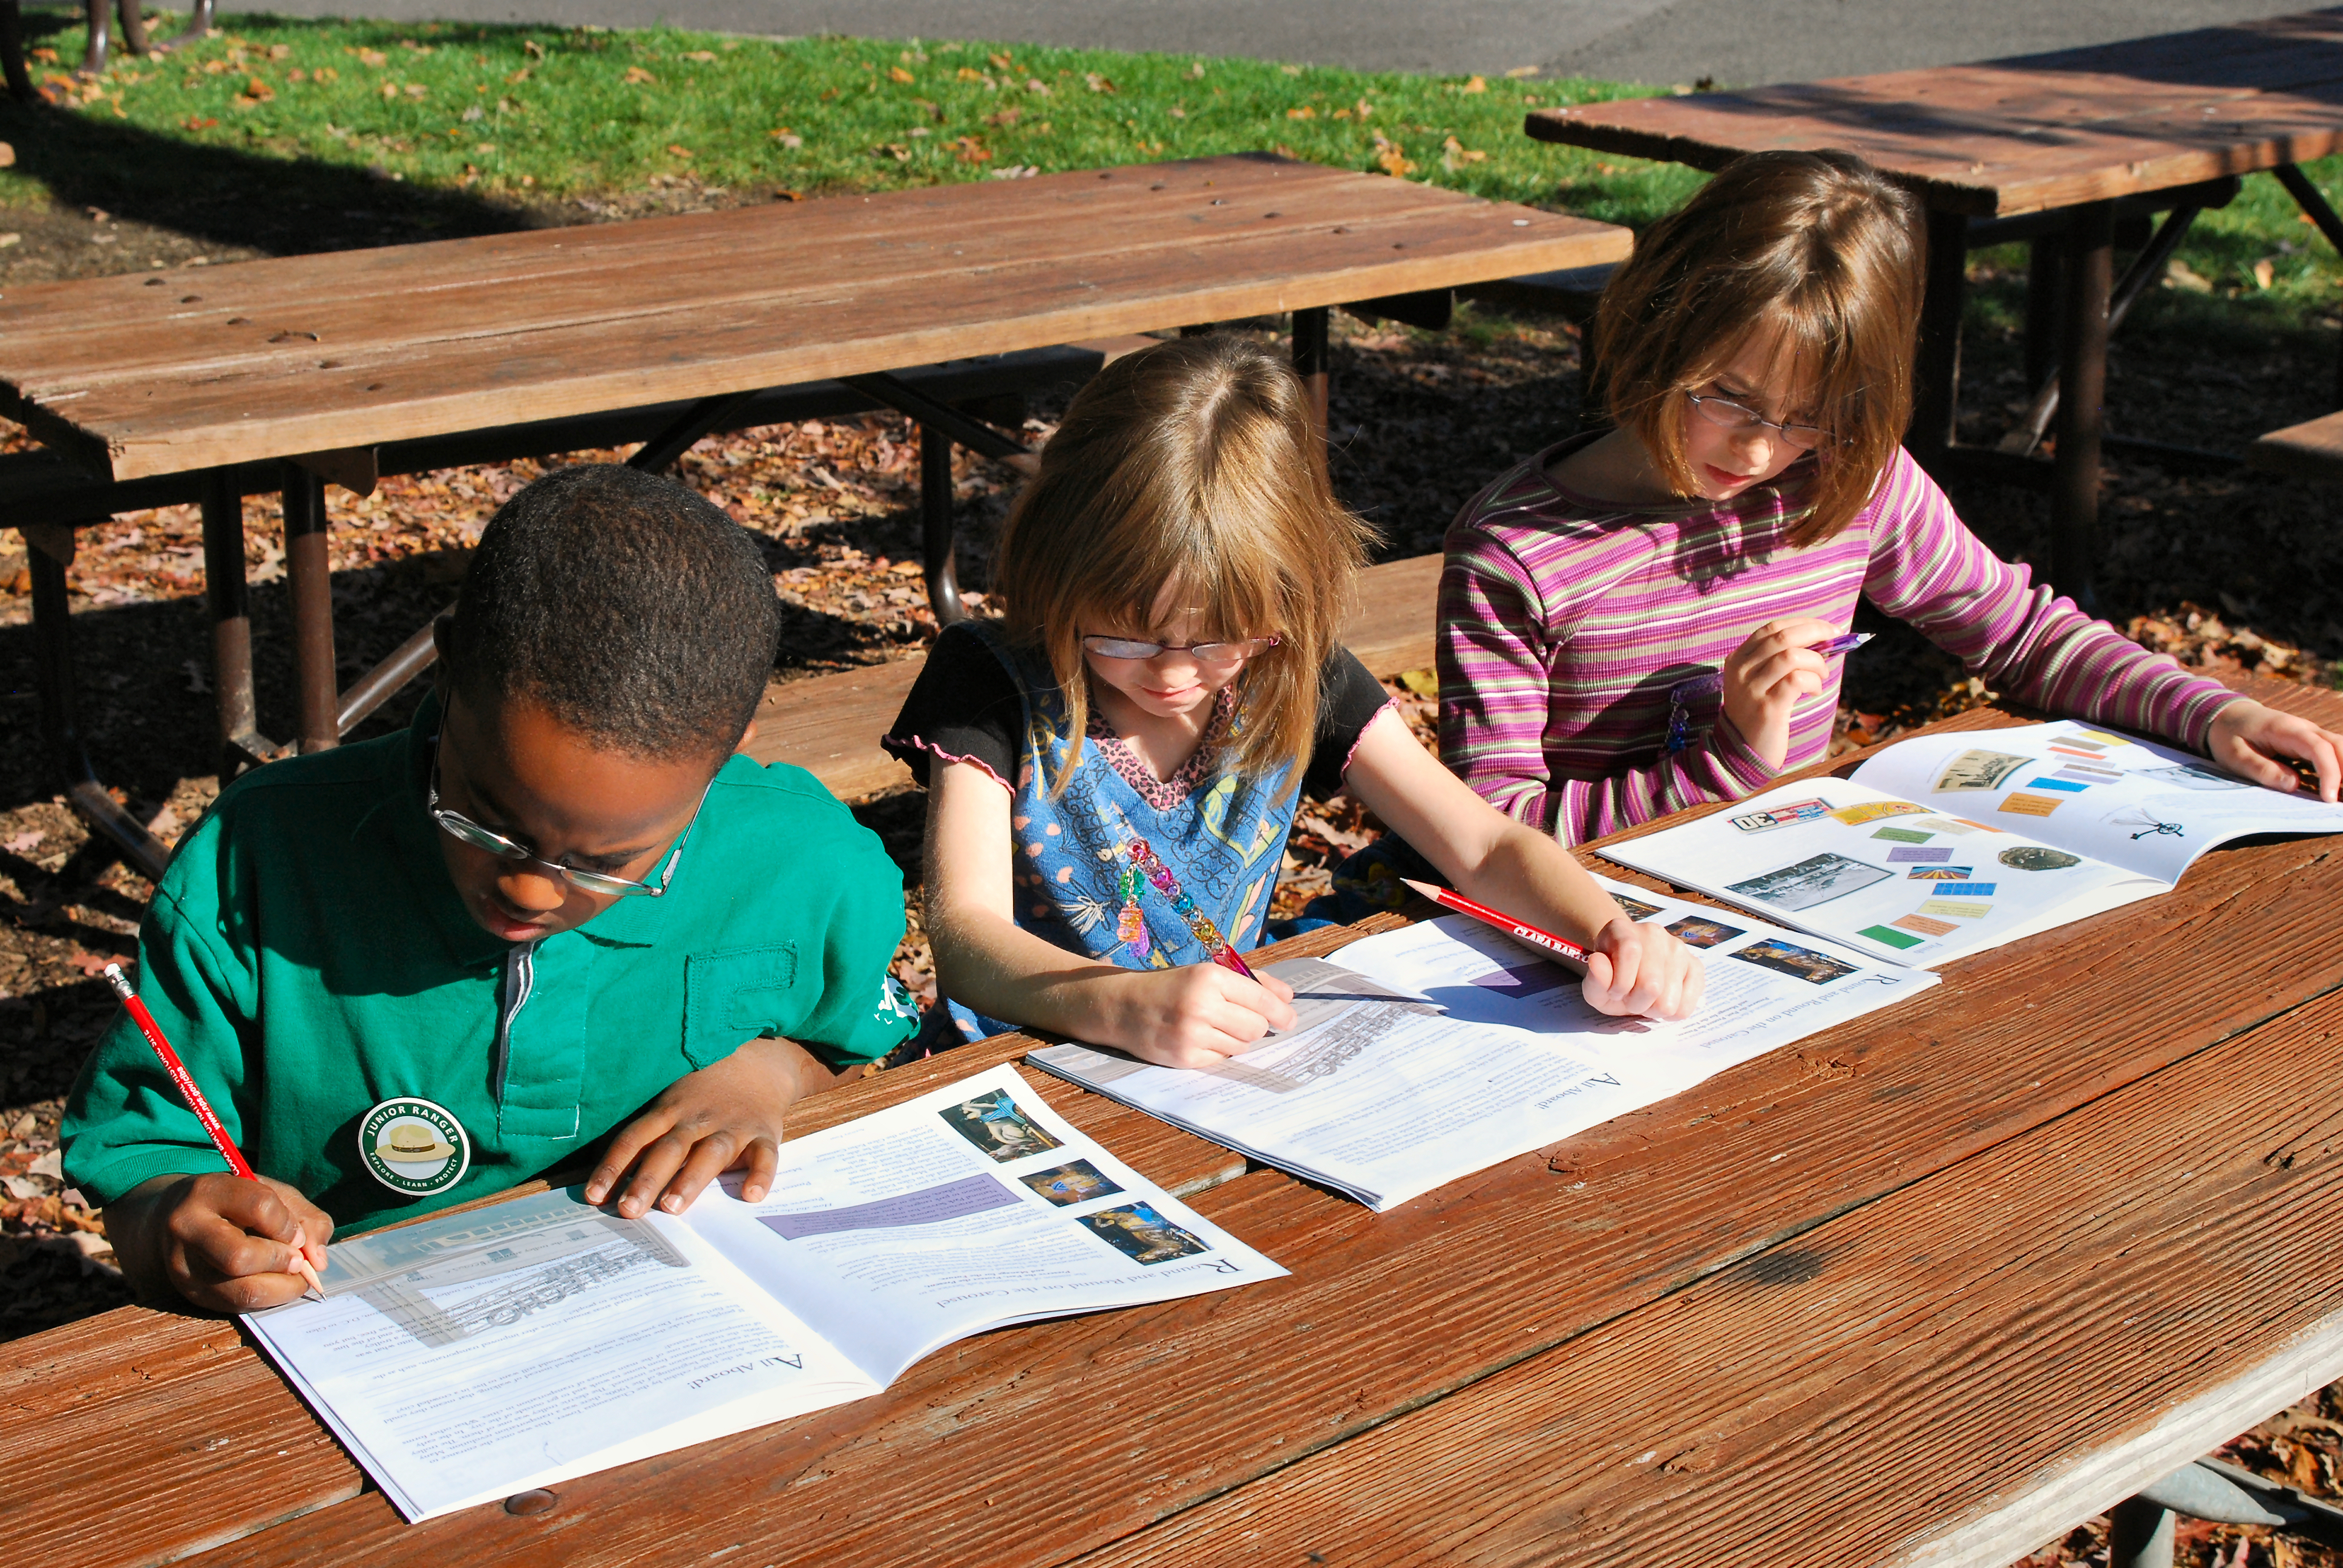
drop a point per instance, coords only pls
(1726, 414)
(463, 830)
(1201, 652)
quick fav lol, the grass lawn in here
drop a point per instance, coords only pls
(536, 112)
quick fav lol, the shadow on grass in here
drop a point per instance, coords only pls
(283, 205)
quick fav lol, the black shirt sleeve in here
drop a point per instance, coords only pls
(964, 706)
(1349, 698)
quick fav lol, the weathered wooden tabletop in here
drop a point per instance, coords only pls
(2032, 134)
(1928, 1287)
(165, 372)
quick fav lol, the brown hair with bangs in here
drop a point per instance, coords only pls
(1196, 462)
(1817, 252)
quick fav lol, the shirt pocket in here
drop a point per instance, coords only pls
(736, 995)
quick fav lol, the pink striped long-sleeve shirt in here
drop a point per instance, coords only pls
(1563, 623)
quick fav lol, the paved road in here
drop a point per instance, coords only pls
(1736, 42)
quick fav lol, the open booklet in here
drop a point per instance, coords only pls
(1437, 1050)
(514, 1345)
(1947, 845)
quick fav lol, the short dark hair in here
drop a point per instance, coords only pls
(628, 607)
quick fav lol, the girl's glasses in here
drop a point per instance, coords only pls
(463, 830)
(1201, 652)
(1726, 414)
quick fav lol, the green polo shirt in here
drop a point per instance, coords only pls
(310, 958)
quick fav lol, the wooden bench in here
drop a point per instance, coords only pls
(830, 724)
(2311, 450)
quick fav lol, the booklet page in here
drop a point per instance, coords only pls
(970, 1207)
(1381, 1097)
(2147, 808)
(1889, 878)
(482, 1353)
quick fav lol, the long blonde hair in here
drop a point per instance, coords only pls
(1196, 462)
(1818, 252)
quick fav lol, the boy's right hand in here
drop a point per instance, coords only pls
(1774, 666)
(219, 1240)
(1197, 1015)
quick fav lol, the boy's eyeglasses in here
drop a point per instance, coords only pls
(1201, 652)
(463, 830)
(1726, 414)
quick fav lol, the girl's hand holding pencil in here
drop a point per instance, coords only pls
(1197, 1015)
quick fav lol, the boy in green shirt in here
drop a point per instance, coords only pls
(413, 971)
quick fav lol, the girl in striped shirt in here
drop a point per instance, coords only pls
(1756, 363)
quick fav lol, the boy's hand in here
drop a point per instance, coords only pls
(2247, 739)
(1634, 969)
(1773, 667)
(722, 1118)
(1197, 1015)
(219, 1240)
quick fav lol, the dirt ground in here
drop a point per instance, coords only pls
(2224, 569)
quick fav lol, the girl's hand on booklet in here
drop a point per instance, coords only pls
(722, 1118)
(1633, 969)
(1197, 1015)
(1774, 669)
(218, 1241)
(2249, 740)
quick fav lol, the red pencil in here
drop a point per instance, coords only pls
(1448, 898)
(196, 1100)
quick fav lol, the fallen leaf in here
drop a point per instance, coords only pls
(636, 76)
(2264, 273)
(1477, 85)
(52, 1165)
(1305, 113)
(897, 73)
(24, 843)
(675, 151)
(702, 55)
(1425, 683)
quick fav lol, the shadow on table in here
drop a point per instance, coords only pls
(284, 206)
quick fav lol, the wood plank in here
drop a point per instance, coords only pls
(2028, 134)
(2311, 450)
(264, 357)
(1953, 1374)
(420, 388)
(1174, 1404)
(830, 724)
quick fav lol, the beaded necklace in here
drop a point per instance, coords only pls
(1130, 923)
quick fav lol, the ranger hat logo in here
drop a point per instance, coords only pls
(414, 1147)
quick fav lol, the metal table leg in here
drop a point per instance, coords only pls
(938, 555)
(2083, 382)
(310, 582)
(1937, 364)
(1310, 360)
(225, 593)
(50, 552)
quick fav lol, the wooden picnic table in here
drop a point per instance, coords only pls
(1930, 1287)
(2052, 148)
(328, 368)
